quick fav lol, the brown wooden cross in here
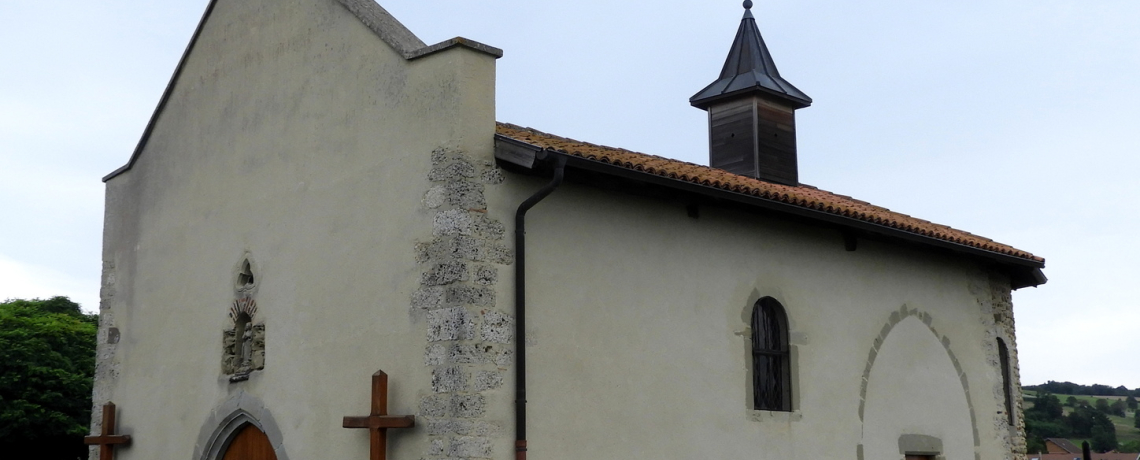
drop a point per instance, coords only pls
(106, 439)
(379, 421)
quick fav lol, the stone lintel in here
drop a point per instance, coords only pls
(919, 444)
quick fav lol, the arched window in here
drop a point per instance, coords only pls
(1007, 390)
(771, 370)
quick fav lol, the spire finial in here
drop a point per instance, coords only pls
(749, 69)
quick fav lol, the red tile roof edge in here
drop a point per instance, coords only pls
(802, 196)
(1077, 456)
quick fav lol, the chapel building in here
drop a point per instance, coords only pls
(320, 196)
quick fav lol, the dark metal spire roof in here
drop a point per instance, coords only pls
(749, 68)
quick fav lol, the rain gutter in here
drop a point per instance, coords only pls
(520, 304)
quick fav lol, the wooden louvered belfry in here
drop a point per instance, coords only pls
(752, 120)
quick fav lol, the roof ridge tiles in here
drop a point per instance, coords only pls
(803, 196)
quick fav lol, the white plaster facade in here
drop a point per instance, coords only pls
(356, 168)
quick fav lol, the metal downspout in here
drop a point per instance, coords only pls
(520, 305)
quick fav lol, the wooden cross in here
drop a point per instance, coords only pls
(106, 440)
(379, 421)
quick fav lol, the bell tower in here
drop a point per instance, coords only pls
(752, 120)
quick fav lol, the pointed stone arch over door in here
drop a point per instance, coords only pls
(250, 443)
(228, 420)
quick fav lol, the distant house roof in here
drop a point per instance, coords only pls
(1077, 456)
(802, 196)
(1062, 444)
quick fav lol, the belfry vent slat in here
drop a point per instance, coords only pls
(752, 123)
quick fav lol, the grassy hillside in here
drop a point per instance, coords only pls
(1125, 431)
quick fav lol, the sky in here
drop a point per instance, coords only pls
(1012, 119)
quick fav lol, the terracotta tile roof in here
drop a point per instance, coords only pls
(1063, 444)
(1077, 456)
(802, 196)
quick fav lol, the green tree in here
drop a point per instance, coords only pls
(1137, 417)
(1080, 422)
(47, 361)
(1044, 420)
(1101, 405)
(1104, 438)
(1046, 407)
(1103, 441)
(1130, 401)
(1071, 401)
(1116, 408)
(1038, 428)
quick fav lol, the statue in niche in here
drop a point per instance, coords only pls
(244, 345)
(246, 348)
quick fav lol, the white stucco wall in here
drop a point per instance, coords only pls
(297, 136)
(639, 342)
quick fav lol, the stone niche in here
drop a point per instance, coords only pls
(243, 344)
(243, 341)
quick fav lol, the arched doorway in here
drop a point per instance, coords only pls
(229, 419)
(250, 443)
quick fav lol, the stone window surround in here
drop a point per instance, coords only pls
(795, 340)
(772, 314)
(1007, 388)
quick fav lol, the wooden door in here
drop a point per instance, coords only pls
(250, 444)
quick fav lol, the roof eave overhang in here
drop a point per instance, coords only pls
(1023, 272)
(704, 101)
